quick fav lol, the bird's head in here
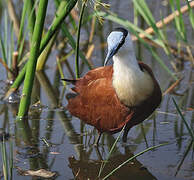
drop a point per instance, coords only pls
(116, 40)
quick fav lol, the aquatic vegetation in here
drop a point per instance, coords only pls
(71, 40)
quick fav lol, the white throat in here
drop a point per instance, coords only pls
(132, 85)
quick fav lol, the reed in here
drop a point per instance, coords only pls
(145, 12)
(67, 34)
(27, 11)
(34, 53)
(63, 11)
(133, 157)
(45, 53)
(180, 27)
(78, 39)
(4, 160)
(7, 47)
(7, 159)
(61, 71)
(189, 128)
(72, 43)
(191, 14)
(110, 152)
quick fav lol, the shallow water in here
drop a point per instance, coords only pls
(54, 140)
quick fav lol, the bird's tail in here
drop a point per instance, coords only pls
(72, 81)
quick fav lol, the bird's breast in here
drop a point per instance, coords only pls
(132, 88)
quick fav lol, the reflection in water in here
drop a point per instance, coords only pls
(89, 169)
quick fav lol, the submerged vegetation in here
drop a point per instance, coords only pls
(29, 35)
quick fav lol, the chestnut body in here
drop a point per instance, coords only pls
(97, 103)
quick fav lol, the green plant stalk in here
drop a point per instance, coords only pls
(78, 39)
(147, 15)
(45, 53)
(3, 41)
(4, 159)
(31, 17)
(138, 154)
(3, 50)
(110, 152)
(30, 25)
(73, 23)
(7, 46)
(65, 9)
(184, 120)
(135, 14)
(61, 71)
(27, 8)
(5, 36)
(11, 160)
(184, 155)
(34, 53)
(17, 82)
(70, 38)
(73, 44)
(180, 21)
(191, 14)
(24, 10)
(177, 20)
(11, 49)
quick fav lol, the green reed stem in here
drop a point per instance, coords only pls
(45, 53)
(11, 160)
(61, 71)
(34, 53)
(78, 39)
(178, 20)
(65, 8)
(31, 17)
(184, 120)
(72, 43)
(24, 10)
(131, 158)
(110, 152)
(28, 8)
(191, 14)
(4, 159)
(3, 40)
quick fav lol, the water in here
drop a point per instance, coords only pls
(52, 139)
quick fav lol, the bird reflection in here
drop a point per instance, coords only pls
(89, 169)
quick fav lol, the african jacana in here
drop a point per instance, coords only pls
(111, 97)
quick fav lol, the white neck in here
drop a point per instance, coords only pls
(131, 84)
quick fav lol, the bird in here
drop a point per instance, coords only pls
(113, 97)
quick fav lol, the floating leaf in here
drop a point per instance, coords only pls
(40, 173)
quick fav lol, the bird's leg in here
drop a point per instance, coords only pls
(126, 130)
(98, 139)
(98, 153)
